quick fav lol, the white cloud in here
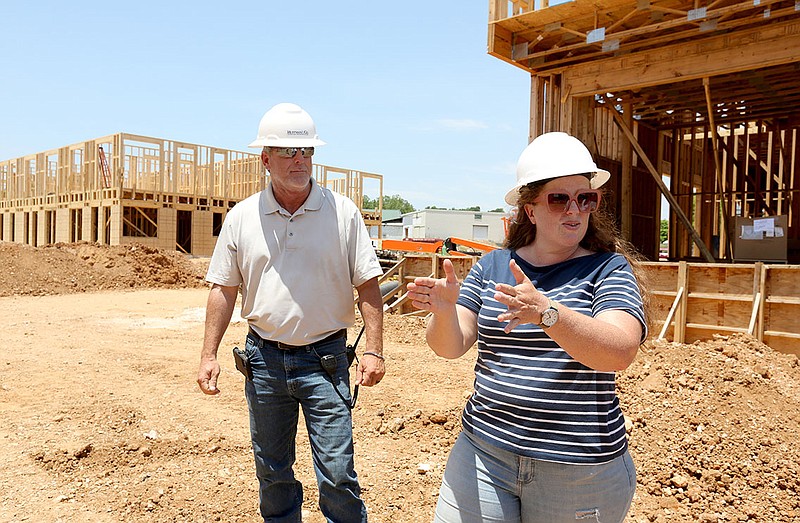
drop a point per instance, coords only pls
(463, 124)
(450, 124)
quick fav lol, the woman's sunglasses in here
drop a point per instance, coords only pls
(587, 200)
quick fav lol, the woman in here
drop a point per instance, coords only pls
(555, 314)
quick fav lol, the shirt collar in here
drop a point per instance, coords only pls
(312, 203)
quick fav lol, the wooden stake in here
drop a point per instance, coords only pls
(672, 310)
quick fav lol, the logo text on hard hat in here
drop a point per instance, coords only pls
(297, 133)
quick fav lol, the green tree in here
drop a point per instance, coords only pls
(476, 208)
(389, 202)
(369, 203)
(397, 202)
(499, 209)
(664, 230)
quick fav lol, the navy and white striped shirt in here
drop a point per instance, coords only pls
(531, 397)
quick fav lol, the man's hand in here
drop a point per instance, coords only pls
(207, 376)
(370, 370)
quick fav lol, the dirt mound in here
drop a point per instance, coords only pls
(713, 430)
(85, 267)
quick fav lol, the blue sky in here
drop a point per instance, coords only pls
(403, 89)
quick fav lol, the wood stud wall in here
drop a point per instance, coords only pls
(706, 93)
(758, 164)
(162, 193)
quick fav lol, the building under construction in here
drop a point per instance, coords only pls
(704, 94)
(124, 188)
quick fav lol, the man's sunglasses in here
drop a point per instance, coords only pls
(290, 152)
(587, 201)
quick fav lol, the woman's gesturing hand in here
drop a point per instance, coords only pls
(435, 295)
(525, 303)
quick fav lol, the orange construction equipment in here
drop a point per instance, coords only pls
(412, 245)
(451, 244)
(448, 246)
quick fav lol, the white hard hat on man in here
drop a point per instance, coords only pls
(287, 125)
(553, 155)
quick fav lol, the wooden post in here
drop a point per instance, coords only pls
(723, 203)
(552, 99)
(567, 110)
(760, 279)
(626, 183)
(679, 331)
(535, 122)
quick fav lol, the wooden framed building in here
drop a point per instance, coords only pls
(696, 102)
(126, 188)
(705, 93)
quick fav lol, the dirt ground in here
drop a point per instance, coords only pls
(102, 421)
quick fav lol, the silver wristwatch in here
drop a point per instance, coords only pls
(549, 315)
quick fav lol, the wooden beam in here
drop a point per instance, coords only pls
(729, 53)
(626, 179)
(660, 183)
(754, 314)
(760, 284)
(725, 211)
(636, 39)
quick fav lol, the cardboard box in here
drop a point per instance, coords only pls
(760, 239)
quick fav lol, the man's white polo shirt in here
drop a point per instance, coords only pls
(297, 271)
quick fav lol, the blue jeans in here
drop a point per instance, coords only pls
(483, 483)
(284, 380)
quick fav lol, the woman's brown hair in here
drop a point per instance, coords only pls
(602, 235)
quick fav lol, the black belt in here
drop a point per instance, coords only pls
(285, 346)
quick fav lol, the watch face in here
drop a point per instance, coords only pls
(549, 317)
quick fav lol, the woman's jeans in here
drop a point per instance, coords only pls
(282, 381)
(483, 484)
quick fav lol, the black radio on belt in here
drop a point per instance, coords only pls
(328, 363)
(242, 363)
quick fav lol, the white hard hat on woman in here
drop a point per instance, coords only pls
(553, 155)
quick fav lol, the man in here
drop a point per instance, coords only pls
(297, 250)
